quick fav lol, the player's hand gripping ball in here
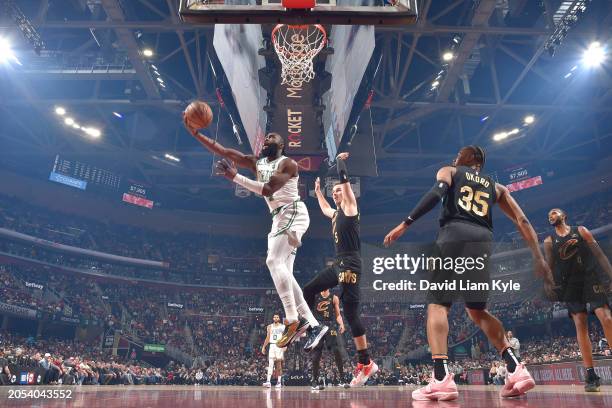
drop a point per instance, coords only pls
(198, 115)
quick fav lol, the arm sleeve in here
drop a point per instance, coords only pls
(342, 172)
(428, 202)
(251, 185)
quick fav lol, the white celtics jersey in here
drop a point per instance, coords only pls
(287, 194)
(276, 332)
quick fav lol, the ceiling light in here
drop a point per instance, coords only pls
(500, 136)
(529, 119)
(93, 132)
(172, 157)
(147, 52)
(448, 56)
(60, 110)
(6, 53)
(69, 121)
(594, 56)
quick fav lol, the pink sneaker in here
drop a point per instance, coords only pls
(445, 390)
(517, 383)
(363, 373)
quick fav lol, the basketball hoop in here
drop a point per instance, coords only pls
(296, 47)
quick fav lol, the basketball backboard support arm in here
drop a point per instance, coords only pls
(205, 12)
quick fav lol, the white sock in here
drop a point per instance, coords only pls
(270, 370)
(279, 251)
(279, 379)
(302, 306)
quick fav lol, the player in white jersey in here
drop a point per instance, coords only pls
(276, 355)
(277, 182)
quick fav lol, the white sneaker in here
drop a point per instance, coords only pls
(363, 373)
(267, 384)
(278, 385)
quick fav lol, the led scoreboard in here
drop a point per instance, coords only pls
(137, 194)
(81, 175)
(521, 177)
(85, 176)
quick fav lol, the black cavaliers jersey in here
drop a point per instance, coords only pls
(573, 259)
(345, 232)
(470, 198)
(325, 309)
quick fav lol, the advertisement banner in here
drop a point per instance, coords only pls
(476, 377)
(569, 373)
(17, 310)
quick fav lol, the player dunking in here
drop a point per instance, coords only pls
(576, 260)
(346, 270)
(276, 355)
(327, 310)
(466, 231)
(277, 181)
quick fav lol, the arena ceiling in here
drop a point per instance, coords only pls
(501, 71)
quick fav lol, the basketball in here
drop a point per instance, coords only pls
(199, 114)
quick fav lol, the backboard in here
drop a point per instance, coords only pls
(340, 12)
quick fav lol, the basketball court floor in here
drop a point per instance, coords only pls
(473, 396)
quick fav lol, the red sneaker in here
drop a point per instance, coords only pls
(445, 390)
(362, 373)
(517, 383)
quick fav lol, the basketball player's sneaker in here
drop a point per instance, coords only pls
(315, 334)
(363, 373)
(592, 384)
(445, 390)
(292, 331)
(278, 385)
(517, 383)
(267, 384)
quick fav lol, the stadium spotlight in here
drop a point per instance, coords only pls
(60, 110)
(93, 132)
(172, 157)
(117, 114)
(435, 84)
(595, 55)
(500, 136)
(448, 56)
(529, 119)
(69, 121)
(147, 52)
(6, 53)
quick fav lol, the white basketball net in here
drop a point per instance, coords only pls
(296, 46)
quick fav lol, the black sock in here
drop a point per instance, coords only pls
(440, 367)
(591, 376)
(363, 356)
(340, 364)
(511, 359)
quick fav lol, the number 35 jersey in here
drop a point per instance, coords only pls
(470, 199)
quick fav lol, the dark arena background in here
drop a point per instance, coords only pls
(132, 275)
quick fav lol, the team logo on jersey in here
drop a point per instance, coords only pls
(568, 249)
(323, 306)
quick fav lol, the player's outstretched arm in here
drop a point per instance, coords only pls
(287, 169)
(602, 259)
(511, 208)
(549, 283)
(444, 179)
(247, 161)
(349, 202)
(327, 210)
